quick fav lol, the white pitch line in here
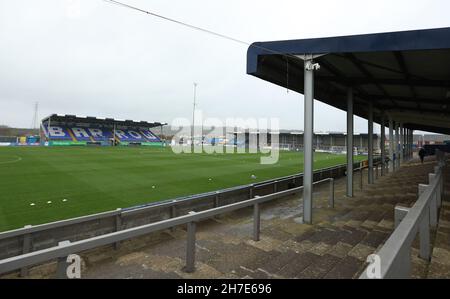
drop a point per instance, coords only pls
(14, 161)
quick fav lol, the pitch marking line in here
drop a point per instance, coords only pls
(18, 158)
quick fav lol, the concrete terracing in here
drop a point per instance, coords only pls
(335, 246)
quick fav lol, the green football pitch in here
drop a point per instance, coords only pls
(43, 184)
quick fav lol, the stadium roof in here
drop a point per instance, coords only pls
(405, 74)
(91, 119)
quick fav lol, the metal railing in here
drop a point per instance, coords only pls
(394, 257)
(66, 248)
(57, 231)
(377, 169)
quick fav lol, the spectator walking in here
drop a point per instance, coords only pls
(422, 154)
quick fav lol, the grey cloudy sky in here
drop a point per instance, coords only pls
(89, 57)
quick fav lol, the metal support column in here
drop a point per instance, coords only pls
(396, 146)
(26, 247)
(350, 142)
(401, 144)
(405, 144)
(391, 145)
(308, 139)
(256, 222)
(61, 267)
(331, 198)
(382, 142)
(409, 144)
(190, 247)
(118, 224)
(370, 144)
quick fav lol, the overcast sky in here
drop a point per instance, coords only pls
(89, 57)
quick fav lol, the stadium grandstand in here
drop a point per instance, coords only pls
(331, 142)
(79, 130)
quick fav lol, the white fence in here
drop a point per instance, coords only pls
(394, 258)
